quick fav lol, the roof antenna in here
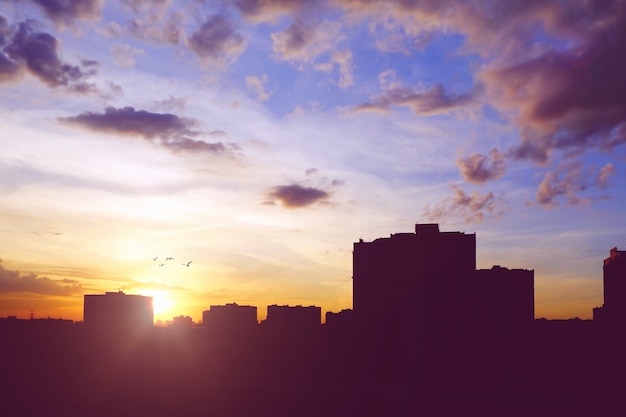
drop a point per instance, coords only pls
(32, 316)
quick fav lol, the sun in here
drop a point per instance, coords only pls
(162, 303)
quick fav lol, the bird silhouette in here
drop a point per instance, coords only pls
(155, 258)
(161, 264)
(167, 259)
(187, 264)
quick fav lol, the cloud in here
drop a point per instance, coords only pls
(124, 55)
(270, 10)
(25, 49)
(423, 102)
(478, 168)
(150, 285)
(155, 26)
(473, 208)
(569, 180)
(567, 96)
(216, 41)
(257, 85)
(346, 67)
(163, 129)
(302, 42)
(64, 13)
(296, 196)
(570, 99)
(554, 68)
(13, 281)
(605, 173)
(142, 5)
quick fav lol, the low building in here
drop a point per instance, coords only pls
(117, 310)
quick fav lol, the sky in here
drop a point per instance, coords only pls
(259, 139)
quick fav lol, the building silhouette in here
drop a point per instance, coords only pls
(419, 298)
(504, 298)
(287, 319)
(230, 318)
(410, 289)
(429, 334)
(613, 311)
(118, 311)
(182, 322)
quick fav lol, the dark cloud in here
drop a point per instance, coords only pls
(24, 48)
(15, 282)
(163, 129)
(270, 10)
(64, 12)
(555, 68)
(569, 180)
(217, 39)
(127, 120)
(478, 168)
(571, 99)
(473, 208)
(296, 37)
(296, 196)
(424, 102)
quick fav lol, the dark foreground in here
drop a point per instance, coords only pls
(555, 369)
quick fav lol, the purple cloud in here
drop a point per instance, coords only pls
(13, 281)
(569, 180)
(473, 208)
(217, 39)
(157, 27)
(163, 129)
(270, 10)
(479, 169)
(296, 196)
(63, 12)
(424, 102)
(38, 52)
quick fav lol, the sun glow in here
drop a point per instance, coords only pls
(162, 303)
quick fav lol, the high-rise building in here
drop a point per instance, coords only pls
(418, 298)
(117, 310)
(412, 280)
(614, 274)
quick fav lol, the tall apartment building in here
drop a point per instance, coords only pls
(418, 296)
(614, 275)
(412, 280)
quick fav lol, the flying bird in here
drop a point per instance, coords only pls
(167, 259)
(187, 264)
(161, 264)
(155, 258)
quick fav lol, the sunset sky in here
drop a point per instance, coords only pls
(260, 138)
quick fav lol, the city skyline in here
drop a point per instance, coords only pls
(259, 139)
(440, 251)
